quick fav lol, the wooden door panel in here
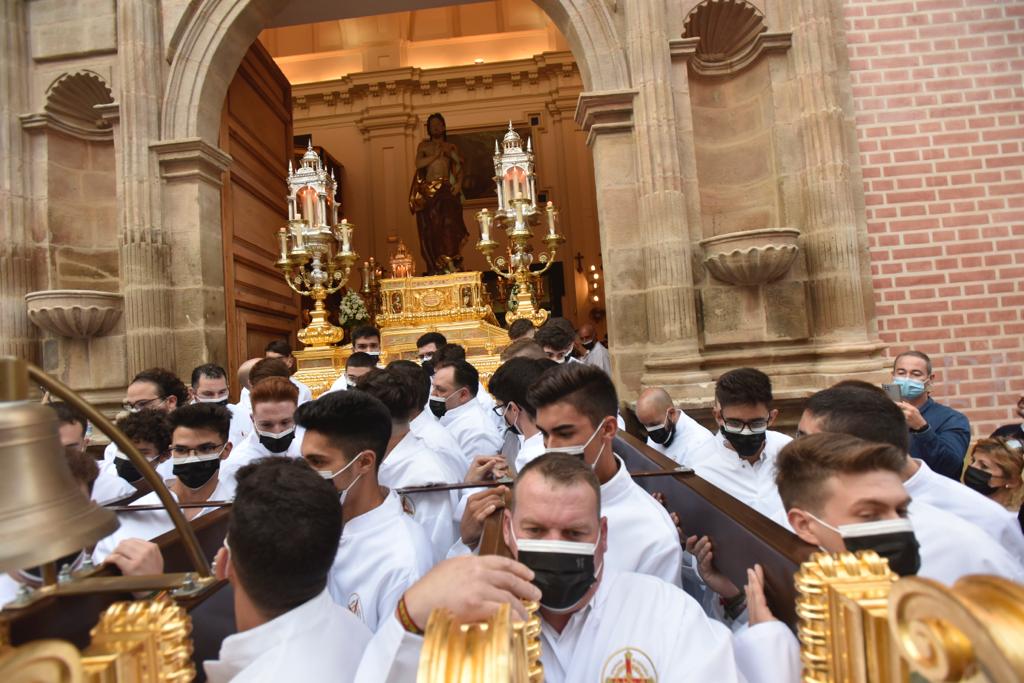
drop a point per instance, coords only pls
(256, 130)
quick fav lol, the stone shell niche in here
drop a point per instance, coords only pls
(751, 257)
(74, 313)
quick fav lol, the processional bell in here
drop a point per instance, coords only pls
(44, 514)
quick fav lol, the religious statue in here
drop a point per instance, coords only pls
(435, 198)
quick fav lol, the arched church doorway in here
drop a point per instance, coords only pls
(370, 121)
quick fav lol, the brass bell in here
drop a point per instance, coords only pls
(44, 514)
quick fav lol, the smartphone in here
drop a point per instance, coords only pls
(893, 392)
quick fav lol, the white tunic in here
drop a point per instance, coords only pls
(251, 449)
(473, 430)
(382, 552)
(687, 443)
(411, 463)
(109, 486)
(531, 449)
(925, 486)
(753, 485)
(634, 628)
(149, 524)
(641, 535)
(316, 641)
(599, 358)
(439, 440)
(241, 423)
(952, 548)
(487, 402)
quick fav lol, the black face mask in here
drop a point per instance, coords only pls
(277, 444)
(900, 548)
(196, 474)
(438, 406)
(980, 481)
(428, 367)
(589, 346)
(562, 577)
(127, 470)
(664, 434)
(745, 444)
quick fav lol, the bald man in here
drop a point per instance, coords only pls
(241, 412)
(669, 429)
(592, 351)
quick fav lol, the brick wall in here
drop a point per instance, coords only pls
(939, 102)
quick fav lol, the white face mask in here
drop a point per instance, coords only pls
(327, 474)
(578, 450)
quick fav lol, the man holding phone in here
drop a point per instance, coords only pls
(939, 435)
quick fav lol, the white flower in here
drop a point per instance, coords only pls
(352, 309)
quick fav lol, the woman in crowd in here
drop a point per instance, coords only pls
(997, 471)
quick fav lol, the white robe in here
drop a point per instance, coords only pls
(316, 641)
(641, 535)
(676, 645)
(529, 450)
(925, 486)
(149, 524)
(109, 486)
(952, 548)
(599, 358)
(439, 440)
(241, 423)
(753, 485)
(473, 430)
(411, 463)
(251, 450)
(382, 552)
(687, 443)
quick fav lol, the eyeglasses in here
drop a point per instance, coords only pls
(143, 404)
(500, 410)
(200, 450)
(756, 426)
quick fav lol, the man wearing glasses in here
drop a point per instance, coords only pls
(199, 443)
(152, 389)
(740, 457)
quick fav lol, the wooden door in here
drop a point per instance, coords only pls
(256, 130)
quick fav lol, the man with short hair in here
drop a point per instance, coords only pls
(510, 384)
(106, 487)
(356, 365)
(939, 435)
(383, 550)
(740, 457)
(150, 432)
(408, 461)
(244, 386)
(423, 424)
(521, 329)
(596, 620)
(199, 442)
(592, 351)
(557, 337)
(154, 389)
(282, 540)
(576, 406)
(273, 430)
(281, 349)
(453, 400)
(669, 430)
(870, 415)
(366, 338)
(428, 344)
(210, 385)
(522, 348)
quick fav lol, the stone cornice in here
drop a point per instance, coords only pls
(189, 159)
(392, 82)
(42, 121)
(610, 111)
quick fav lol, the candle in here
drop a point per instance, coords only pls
(485, 226)
(519, 215)
(551, 219)
(345, 230)
(291, 208)
(299, 244)
(366, 276)
(309, 206)
(282, 236)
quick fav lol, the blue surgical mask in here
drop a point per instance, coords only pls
(909, 388)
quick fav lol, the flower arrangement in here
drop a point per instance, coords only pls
(351, 309)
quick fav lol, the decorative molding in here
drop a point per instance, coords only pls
(598, 113)
(751, 257)
(191, 159)
(77, 105)
(721, 37)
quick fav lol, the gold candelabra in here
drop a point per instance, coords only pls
(516, 265)
(517, 213)
(316, 261)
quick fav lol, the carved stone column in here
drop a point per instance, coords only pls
(145, 255)
(661, 219)
(833, 225)
(17, 334)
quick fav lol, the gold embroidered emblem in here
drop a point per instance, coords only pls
(629, 665)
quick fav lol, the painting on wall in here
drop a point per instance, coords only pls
(477, 149)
